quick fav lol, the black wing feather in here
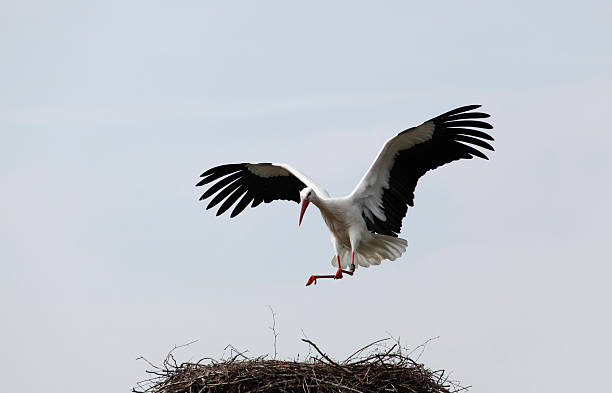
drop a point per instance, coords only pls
(470, 115)
(223, 194)
(469, 123)
(459, 110)
(244, 202)
(474, 141)
(452, 140)
(468, 131)
(237, 180)
(219, 185)
(232, 199)
(218, 172)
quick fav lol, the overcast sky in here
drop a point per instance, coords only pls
(109, 112)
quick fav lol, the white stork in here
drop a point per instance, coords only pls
(365, 224)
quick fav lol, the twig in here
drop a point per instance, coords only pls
(273, 328)
(422, 346)
(339, 386)
(150, 364)
(238, 353)
(325, 356)
(170, 356)
(364, 348)
(309, 348)
(398, 341)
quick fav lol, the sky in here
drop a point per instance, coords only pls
(110, 111)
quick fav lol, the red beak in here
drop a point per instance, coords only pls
(305, 203)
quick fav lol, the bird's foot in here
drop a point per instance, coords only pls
(313, 279)
(349, 272)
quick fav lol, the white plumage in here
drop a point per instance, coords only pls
(365, 224)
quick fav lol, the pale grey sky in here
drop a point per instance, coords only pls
(109, 111)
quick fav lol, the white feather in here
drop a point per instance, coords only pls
(372, 251)
(369, 191)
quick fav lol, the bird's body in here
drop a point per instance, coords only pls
(348, 232)
(364, 225)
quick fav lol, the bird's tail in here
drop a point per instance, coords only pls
(373, 251)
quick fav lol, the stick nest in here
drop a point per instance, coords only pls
(373, 368)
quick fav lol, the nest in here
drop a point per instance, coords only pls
(373, 368)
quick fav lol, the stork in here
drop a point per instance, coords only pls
(365, 224)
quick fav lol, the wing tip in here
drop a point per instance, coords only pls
(461, 109)
(480, 155)
(467, 108)
(223, 167)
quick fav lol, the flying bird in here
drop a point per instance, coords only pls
(365, 224)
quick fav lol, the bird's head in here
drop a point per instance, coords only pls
(307, 195)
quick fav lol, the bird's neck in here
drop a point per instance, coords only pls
(320, 202)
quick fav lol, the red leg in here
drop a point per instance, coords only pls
(339, 271)
(337, 276)
(313, 279)
(349, 272)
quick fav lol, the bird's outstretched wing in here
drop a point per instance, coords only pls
(387, 189)
(256, 183)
